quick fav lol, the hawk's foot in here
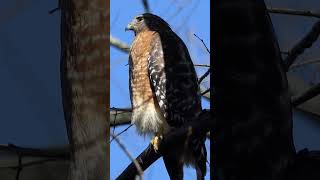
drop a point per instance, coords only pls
(155, 141)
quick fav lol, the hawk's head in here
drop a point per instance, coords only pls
(147, 21)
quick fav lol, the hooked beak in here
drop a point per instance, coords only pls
(129, 27)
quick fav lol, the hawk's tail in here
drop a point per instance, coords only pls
(200, 155)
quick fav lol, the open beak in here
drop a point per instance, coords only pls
(129, 27)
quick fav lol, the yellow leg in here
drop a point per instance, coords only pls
(155, 141)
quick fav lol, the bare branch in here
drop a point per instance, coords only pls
(305, 96)
(121, 132)
(137, 165)
(146, 6)
(23, 165)
(119, 44)
(59, 154)
(53, 155)
(204, 76)
(305, 63)
(119, 118)
(205, 92)
(202, 43)
(145, 159)
(19, 167)
(294, 12)
(199, 127)
(304, 43)
(201, 65)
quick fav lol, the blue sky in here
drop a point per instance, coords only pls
(193, 17)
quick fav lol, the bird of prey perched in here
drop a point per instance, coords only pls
(164, 91)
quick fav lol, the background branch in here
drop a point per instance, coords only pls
(59, 153)
(136, 164)
(305, 63)
(119, 44)
(304, 43)
(294, 12)
(305, 96)
(146, 6)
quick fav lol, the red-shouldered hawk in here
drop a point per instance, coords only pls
(164, 90)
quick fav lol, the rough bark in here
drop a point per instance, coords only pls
(85, 80)
(253, 135)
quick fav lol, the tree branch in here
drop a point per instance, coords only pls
(120, 116)
(23, 165)
(197, 128)
(136, 164)
(146, 6)
(205, 92)
(303, 44)
(305, 63)
(59, 154)
(201, 65)
(119, 44)
(204, 76)
(294, 12)
(202, 43)
(305, 96)
(52, 155)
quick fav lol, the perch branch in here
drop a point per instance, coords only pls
(199, 128)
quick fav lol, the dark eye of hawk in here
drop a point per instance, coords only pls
(139, 18)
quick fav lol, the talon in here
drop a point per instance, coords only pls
(155, 141)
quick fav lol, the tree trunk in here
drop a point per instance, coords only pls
(85, 81)
(253, 135)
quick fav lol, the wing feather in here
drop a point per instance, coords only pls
(173, 79)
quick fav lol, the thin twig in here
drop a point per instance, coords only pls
(114, 121)
(121, 132)
(305, 63)
(294, 12)
(187, 17)
(140, 171)
(54, 10)
(303, 44)
(19, 167)
(202, 65)
(202, 43)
